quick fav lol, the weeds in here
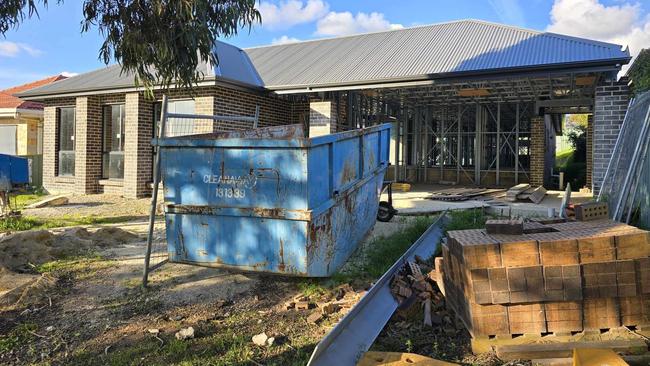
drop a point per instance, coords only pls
(19, 335)
(30, 223)
(466, 219)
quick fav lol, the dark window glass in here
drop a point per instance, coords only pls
(66, 141)
(113, 142)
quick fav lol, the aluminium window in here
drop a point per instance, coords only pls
(66, 141)
(113, 142)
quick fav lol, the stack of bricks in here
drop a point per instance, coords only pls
(556, 277)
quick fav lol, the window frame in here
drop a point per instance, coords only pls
(59, 140)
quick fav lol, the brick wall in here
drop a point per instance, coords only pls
(537, 150)
(322, 118)
(88, 144)
(138, 126)
(590, 146)
(138, 131)
(611, 102)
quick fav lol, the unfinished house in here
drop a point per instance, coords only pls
(471, 102)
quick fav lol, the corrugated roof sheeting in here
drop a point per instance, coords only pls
(456, 47)
(405, 54)
(234, 65)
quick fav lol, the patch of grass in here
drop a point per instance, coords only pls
(74, 264)
(12, 223)
(31, 223)
(24, 199)
(17, 337)
(466, 219)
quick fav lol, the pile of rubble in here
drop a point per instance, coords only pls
(340, 301)
(411, 287)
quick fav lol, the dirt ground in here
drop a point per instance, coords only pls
(92, 311)
(97, 205)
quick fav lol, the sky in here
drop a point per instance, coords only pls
(53, 43)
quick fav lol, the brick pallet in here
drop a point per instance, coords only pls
(557, 277)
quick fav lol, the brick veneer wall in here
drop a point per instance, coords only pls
(590, 150)
(612, 98)
(138, 131)
(88, 144)
(537, 150)
(137, 145)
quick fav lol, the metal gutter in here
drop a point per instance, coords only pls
(210, 81)
(346, 343)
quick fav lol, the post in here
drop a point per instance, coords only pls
(154, 194)
(517, 147)
(498, 174)
(458, 143)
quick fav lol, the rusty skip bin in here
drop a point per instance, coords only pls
(272, 200)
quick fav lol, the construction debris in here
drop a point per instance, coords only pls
(185, 333)
(524, 192)
(260, 339)
(411, 287)
(49, 202)
(461, 194)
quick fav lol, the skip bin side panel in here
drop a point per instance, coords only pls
(246, 243)
(235, 177)
(337, 231)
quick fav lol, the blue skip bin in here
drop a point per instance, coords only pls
(271, 200)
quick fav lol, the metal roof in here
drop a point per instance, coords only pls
(422, 53)
(234, 66)
(411, 54)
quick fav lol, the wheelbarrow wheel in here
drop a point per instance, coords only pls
(385, 212)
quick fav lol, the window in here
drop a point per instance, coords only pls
(113, 142)
(175, 126)
(66, 141)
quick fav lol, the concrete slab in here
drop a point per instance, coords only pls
(417, 202)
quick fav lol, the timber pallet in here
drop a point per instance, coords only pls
(559, 344)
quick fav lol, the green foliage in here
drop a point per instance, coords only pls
(23, 223)
(466, 219)
(16, 337)
(160, 42)
(578, 139)
(639, 72)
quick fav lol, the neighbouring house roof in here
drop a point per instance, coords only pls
(234, 67)
(465, 47)
(10, 101)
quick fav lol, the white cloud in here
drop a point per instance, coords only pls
(284, 40)
(69, 74)
(621, 24)
(291, 12)
(509, 11)
(343, 23)
(13, 49)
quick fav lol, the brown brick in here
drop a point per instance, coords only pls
(643, 270)
(601, 313)
(519, 253)
(499, 285)
(633, 245)
(626, 278)
(635, 311)
(488, 320)
(597, 249)
(563, 316)
(558, 252)
(599, 280)
(481, 286)
(527, 318)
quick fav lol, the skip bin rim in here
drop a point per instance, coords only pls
(302, 142)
